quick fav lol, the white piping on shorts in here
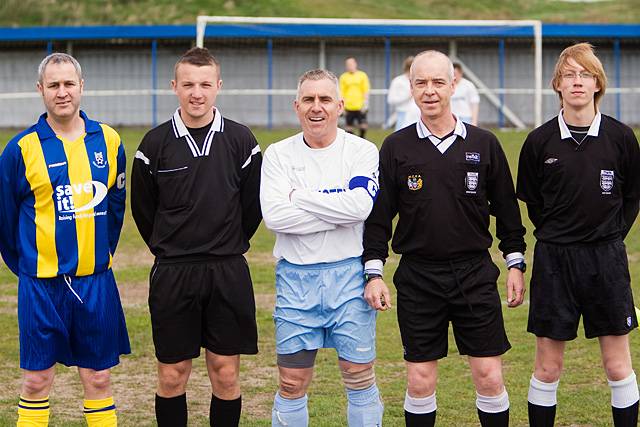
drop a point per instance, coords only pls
(67, 280)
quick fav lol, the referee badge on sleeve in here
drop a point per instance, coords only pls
(606, 181)
(414, 182)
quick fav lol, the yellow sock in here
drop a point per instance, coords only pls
(100, 412)
(33, 412)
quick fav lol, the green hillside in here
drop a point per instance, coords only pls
(127, 12)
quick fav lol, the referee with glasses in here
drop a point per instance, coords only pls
(445, 178)
(195, 199)
(579, 175)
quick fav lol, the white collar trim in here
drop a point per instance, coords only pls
(594, 128)
(180, 130)
(424, 132)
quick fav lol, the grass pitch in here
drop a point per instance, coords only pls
(583, 398)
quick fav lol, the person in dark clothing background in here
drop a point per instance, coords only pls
(445, 178)
(195, 199)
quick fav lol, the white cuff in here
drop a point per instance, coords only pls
(514, 258)
(374, 266)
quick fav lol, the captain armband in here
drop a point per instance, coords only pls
(367, 183)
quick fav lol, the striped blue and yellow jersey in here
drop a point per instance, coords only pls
(61, 202)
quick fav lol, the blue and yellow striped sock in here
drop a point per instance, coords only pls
(100, 412)
(33, 412)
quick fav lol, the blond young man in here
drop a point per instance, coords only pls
(578, 175)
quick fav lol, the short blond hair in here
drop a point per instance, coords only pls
(584, 55)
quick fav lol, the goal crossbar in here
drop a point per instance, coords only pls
(203, 21)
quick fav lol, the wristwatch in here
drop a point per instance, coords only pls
(370, 276)
(522, 266)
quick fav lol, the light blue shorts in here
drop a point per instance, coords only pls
(322, 306)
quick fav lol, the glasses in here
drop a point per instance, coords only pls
(584, 75)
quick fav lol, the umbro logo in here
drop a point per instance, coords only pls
(550, 160)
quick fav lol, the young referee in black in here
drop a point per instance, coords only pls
(579, 176)
(195, 200)
(444, 178)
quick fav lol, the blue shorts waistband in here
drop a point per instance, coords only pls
(61, 276)
(321, 265)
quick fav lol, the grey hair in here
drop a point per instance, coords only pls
(432, 53)
(319, 74)
(58, 58)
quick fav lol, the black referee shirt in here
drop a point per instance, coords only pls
(443, 199)
(580, 193)
(193, 199)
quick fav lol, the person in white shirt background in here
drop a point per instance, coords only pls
(399, 96)
(465, 102)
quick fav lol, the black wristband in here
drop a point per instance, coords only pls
(522, 266)
(370, 276)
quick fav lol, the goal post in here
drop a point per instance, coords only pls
(381, 25)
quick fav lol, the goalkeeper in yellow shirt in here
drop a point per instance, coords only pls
(354, 86)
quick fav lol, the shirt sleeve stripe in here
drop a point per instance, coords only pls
(255, 151)
(140, 155)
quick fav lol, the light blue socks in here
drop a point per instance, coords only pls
(290, 412)
(364, 408)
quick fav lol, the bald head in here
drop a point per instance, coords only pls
(432, 85)
(432, 58)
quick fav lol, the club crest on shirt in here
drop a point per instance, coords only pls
(606, 181)
(98, 159)
(471, 182)
(414, 182)
(472, 157)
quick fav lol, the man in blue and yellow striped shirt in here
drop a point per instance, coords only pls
(62, 183)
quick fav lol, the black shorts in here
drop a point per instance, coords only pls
(355, 116)
(461, 292)
(206, 304)
(588, 280)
